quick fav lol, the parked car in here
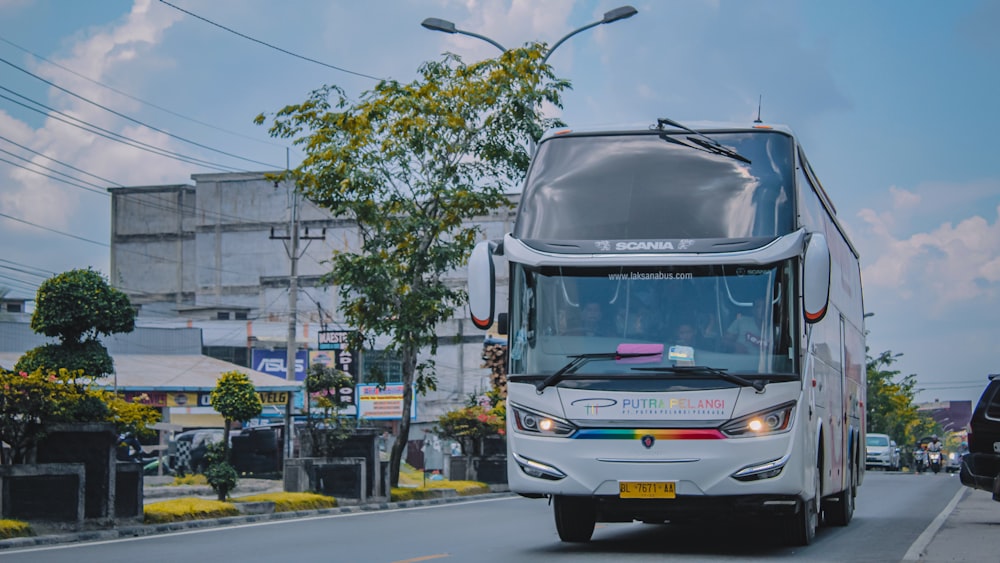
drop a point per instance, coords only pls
(981, 466)
(187, 449)
(882, 452)
(259, 449)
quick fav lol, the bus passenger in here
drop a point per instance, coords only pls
(744, 333)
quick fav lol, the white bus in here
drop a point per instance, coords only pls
(685, 331)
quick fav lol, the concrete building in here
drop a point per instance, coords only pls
(953, 416)
(216, 255)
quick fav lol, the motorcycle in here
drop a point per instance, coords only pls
(919, 460)
(934, 460)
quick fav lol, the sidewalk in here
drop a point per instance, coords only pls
(966, 533)
(157, 488)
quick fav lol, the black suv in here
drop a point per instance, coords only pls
(981, 466)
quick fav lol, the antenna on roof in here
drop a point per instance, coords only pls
(759, 100)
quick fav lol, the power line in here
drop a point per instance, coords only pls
(70, 166)
(26, 285)
(180, 208)
(133, 120)
(111, 135)
(961, 382)
(141, 202)
(56, 178)
(99, 189)
(44, 274)
(220, 26)
(144, 202)
(134, 98)
(121, 249)
(50, 229)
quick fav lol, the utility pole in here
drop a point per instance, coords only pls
(291, 348)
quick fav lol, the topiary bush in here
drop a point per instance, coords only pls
(220, 475)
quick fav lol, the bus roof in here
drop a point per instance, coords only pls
(700, 126)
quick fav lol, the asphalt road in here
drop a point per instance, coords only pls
(894, 510)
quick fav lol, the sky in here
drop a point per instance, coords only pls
(893, 101)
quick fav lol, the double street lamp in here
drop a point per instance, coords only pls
(620, 13)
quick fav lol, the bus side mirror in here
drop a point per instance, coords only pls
(482, 284)
(816, 278)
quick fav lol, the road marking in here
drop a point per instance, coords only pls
(922, 541)
(424, 558)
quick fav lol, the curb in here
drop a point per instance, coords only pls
(155, 529)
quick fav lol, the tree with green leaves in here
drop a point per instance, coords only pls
(413, 164)
(77, 306)
(890, 402)
(30, 401)
(326, 428)
(236, 399)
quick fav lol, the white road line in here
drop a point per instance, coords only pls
(921, 543)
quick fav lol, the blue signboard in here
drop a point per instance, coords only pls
(274, 362)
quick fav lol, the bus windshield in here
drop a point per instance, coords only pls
(724, 317)
(656, 186)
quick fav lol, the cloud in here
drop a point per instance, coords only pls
(951, 263)
(903, 199)
(97, 56)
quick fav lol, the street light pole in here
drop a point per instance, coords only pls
(445, 26)
(619, 13)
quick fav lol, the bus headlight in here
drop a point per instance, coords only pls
(532, 422)
(772, 421)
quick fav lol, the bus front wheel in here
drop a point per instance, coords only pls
(840, 509)
(802, 528)
(575, 518)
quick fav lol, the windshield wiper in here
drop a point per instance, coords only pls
(757, 384)
(580, 359)
(704, 141)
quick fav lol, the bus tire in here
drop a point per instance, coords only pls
(575, 518)
(840, 510)
(802, 528)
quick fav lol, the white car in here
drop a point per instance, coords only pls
(881, 451)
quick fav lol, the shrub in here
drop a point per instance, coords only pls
(187, 508)
(462, 488)
(291, 502)
(31, 400)
(469, 426)
(15, 529)
(220, 475)
(189, 480)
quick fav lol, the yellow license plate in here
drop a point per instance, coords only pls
(647, 489)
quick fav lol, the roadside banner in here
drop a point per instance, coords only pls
(385, 403)
(334, 346)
